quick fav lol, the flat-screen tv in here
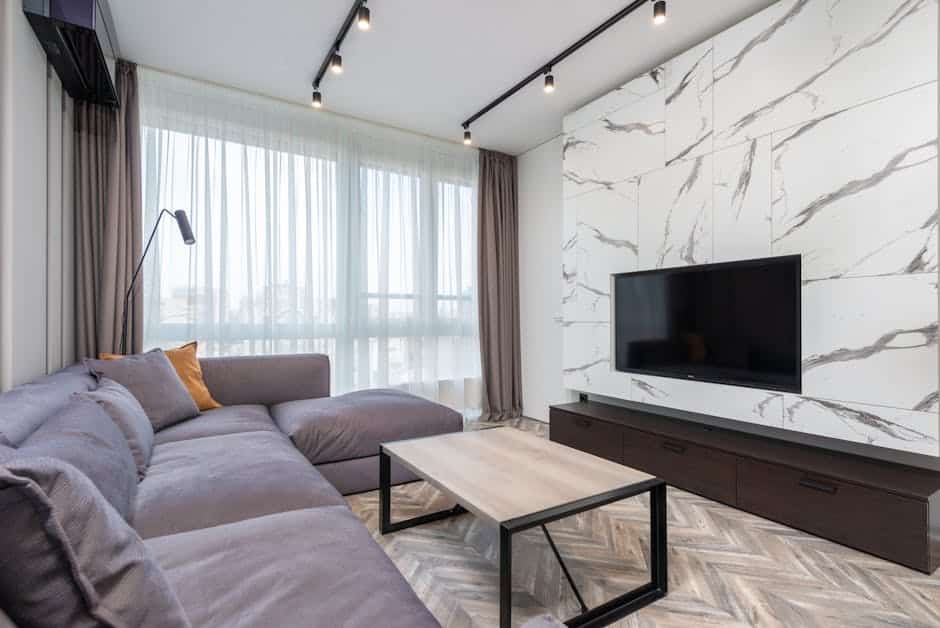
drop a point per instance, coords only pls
(733, 323)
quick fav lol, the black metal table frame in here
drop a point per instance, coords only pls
(602, 615)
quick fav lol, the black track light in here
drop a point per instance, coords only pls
(659, 12)
(549, 83)
(317, 100)
(336, 63)
(363, 18)
(467, 139)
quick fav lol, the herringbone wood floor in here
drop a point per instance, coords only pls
(726, 567)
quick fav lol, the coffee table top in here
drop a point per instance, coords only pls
(503, 473)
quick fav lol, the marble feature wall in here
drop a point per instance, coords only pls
(809, 128)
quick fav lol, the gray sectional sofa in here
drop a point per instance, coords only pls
(249, 526)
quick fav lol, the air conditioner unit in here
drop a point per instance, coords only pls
(75, 37)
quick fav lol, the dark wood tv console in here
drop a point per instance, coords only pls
(886, 509)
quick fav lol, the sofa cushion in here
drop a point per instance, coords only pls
(226, 420)
(25, 407)
(83, 435)
(187, 367)
(151, 378)
(316, 567)
(355, 424)
(75, 561)
(267, 379)
(210, 481)
(130, 418)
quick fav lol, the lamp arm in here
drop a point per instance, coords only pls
(130, 287)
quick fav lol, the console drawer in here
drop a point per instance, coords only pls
(694, 468)
(874, 521)
(595, 437)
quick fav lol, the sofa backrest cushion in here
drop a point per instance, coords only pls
(152, 380)
(267, 379)
(24, 408)
(72, 559)
(123, 407)
(83, 435)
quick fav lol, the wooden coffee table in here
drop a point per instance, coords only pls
(518, 481)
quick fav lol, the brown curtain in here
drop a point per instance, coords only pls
(108, 218)
(498, 251)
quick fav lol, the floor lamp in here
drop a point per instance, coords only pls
(185, 231)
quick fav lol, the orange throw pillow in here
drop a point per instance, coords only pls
(186, 365)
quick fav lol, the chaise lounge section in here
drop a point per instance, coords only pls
(246, 529)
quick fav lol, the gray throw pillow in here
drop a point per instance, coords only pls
(83, 435)
(75, 561)
(130, 417)
(152, 380)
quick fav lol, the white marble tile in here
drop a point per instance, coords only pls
(750, 405)
(569, 259)
(676, 214)
(802, 59)
(856, 193)
(872, 340)
(743, 201)
(624, 96)
(915, 432)
(587, 361)
(606, 245)
(689, 119)
(617, 147)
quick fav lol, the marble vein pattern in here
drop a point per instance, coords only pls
(838, 54)
(689, 111)
(618, 146)
(731, 402)
(743, 220)
(856, 192)
(676, 218)
(905, 430)
(624, 96)
(857, 351)
(569, 260)
(606, 244)
(588, 365)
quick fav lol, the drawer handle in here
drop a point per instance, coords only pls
(818, 486)
(674, 448)
(582, 422)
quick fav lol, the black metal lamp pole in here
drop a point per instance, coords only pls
(185, 231)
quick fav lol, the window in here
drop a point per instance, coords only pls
(310, 239)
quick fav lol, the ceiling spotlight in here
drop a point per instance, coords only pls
(659, 12)
(336, 63)
(549, 83)
(363, 18)
(466, 137)
(317, 101)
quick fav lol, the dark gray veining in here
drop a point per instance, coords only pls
(856, 419)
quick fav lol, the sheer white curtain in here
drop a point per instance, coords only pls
(313, 233)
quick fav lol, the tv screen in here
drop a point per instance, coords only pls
(735, 323)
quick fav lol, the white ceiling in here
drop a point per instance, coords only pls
(426, 65)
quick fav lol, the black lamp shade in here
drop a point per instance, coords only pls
(185, 230)
(364, 18)
(659, 11)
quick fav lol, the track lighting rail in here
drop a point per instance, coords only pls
(547, 67)
(343, 31)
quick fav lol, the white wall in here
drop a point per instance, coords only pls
(540, 216)
(809, 128)
(36, 278)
